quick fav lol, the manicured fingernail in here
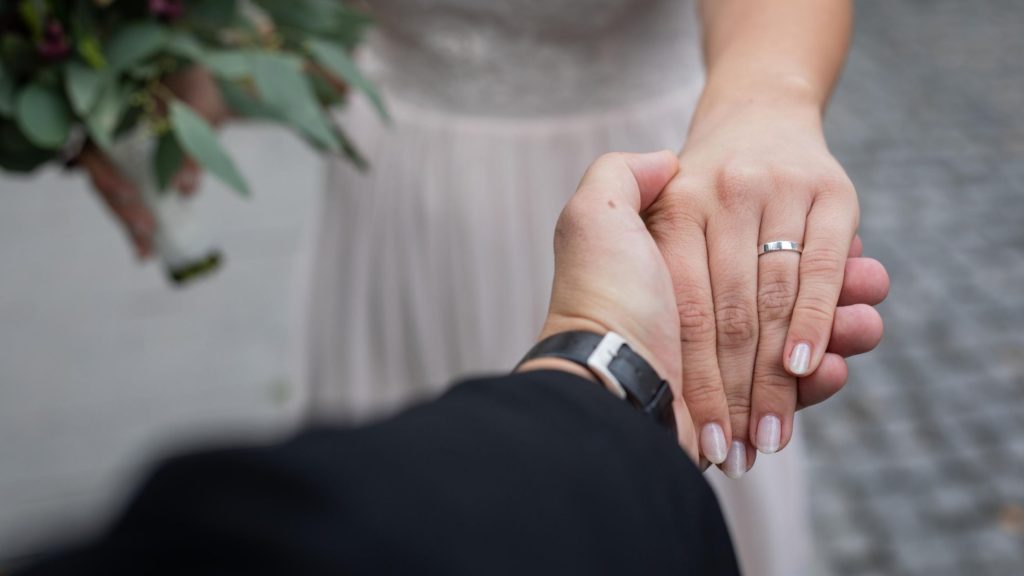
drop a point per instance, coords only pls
(800, 359)
(735, 464)
(712, 443)
(769, 434)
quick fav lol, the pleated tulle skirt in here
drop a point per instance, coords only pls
(437, 262)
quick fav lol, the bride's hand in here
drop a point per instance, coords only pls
(750, 326)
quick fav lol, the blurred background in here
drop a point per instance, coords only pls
(917, 467)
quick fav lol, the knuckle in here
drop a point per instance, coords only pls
(696, 321)
(776, 296)
(704, 393)
(822, 263)
(772, 376)
(838, 191)
(739, 403)
(737, 182)
(610, 158)
(570, 222)
(682, 187)
(834, 182)
(607, 163)
(736, 325)
(680, 208)
(788, 175)
(673, 214)
(816, 309)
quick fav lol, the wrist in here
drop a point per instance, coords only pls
(778, 87)
(558, 323)
(613, 363)
(789, 98)
(557, 364)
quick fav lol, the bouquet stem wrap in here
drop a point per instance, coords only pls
(181, 244)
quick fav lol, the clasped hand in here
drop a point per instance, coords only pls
(630, 257)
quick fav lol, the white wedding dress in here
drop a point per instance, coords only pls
(437, 262)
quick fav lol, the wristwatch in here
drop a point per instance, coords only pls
(621, 370)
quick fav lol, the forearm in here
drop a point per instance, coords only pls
(787, 52)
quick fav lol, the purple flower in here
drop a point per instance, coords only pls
(54, 44)
(166, 10)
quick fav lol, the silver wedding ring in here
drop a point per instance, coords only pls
(780, 246)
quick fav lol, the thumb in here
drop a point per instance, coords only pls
(634, 179)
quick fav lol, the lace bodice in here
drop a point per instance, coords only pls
(530, 57)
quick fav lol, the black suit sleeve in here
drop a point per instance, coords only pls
(534, 473)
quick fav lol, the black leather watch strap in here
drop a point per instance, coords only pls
(632, 378)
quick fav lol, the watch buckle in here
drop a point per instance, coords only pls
(601, 357)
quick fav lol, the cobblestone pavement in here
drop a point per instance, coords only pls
(918, 466)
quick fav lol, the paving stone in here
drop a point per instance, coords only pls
(941, 182)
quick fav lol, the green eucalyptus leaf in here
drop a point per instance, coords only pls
(285, 89)
(145, 72)
(32, 12)
(228, 64)
(133, 43)
(91, 51)
(326, 92)
(213, 14)
(105, 117)
(84, 85)
(340, 63)
(85, 33)
(17, 154)
(42, 115)
(326, 18)
(167, 159)
(6, 92)
(186, 46)
(349, 149)
(350, 28)
(315, 17)
(199, 140)
(244, 102)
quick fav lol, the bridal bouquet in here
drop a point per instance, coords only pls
(77, 70)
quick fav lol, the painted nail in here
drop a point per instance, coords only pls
(735, 464)
(800, 359)
(769, 434)
(712, 443)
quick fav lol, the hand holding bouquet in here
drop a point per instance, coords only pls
(102, 73)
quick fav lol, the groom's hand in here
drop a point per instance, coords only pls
(609, 273)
